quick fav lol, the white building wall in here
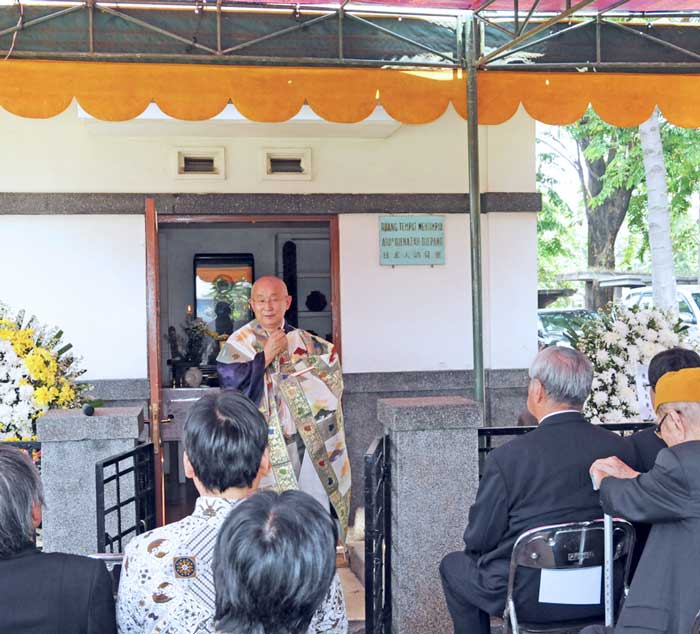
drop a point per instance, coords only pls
(402, 319)
(406, 317)
(86, 275)
(68, 154)
(419, 318)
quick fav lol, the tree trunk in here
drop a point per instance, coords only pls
(663, 278)
(604, 222)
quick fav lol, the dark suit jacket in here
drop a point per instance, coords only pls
(646, 445)
(536, 479)
(53, 593)
(665, 592)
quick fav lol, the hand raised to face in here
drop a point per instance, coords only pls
(275, 345)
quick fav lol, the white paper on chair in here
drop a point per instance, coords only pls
(571, 586)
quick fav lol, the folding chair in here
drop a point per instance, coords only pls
(695, 627)
(113, 562)
(571, 558)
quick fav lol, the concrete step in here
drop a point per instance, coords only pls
(356, 556)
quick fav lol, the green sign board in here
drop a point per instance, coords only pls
(410, 240)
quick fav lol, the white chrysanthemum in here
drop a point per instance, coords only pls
(651, 335)
(615, 401)
(668, 338)
(611, 338)
(607, 376)
(5, 413)
(627, 395)
(602, 356)
(618, 361)
(26, 392)
(621, 328)
(599, 398)
(595, 420)
(643, 317)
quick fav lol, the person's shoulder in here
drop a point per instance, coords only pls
(75, 565)
(156, 541)
(686, 454)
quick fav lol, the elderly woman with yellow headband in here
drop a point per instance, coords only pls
(665, 592)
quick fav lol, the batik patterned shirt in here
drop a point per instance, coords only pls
(167, 581)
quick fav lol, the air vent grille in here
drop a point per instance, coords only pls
(286, 166)
(199, 165)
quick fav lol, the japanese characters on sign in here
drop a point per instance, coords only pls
(410, 240)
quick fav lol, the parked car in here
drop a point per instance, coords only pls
(553, 324)
(688, 302)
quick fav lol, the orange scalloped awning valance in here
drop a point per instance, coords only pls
(193, 92)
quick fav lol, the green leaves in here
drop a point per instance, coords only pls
(611, 160)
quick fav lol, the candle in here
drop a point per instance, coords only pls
(189, 309)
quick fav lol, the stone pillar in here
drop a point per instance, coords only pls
(434, 478)
(71, 444)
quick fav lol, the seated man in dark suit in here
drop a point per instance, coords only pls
(537, 479)
(648, 443)
(43, 593)
(665, 592)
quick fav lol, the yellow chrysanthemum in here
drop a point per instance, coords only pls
(22, 341)
(42, 396)
(66, 395)
(42, 366)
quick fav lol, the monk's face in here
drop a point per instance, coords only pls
(269, 301)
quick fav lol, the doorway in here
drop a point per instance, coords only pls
(303, 250)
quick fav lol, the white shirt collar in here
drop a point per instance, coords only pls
(563, 411)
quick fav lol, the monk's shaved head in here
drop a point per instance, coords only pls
(272, 283)
(270, 300)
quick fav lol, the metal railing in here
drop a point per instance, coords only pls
(129, 479)
(377, 467)
(487, 434)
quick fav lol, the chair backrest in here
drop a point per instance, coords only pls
(695, 627)
(113, 562)
(571, 546)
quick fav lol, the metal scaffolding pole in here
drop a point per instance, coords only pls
(471, 56)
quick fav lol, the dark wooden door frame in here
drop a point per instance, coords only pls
(153, 353)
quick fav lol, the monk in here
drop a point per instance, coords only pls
(295, 379)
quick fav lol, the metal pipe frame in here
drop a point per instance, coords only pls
(599, 64)
(551, 36)
(519, 40)
(217, 54)
(471, 55)
(402, 38)
(482, 61)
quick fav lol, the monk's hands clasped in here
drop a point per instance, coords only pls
(275, 345)
(613, 466)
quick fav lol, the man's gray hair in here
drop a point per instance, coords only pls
(20, 489)
(566, 375)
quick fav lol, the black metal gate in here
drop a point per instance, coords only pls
(378, 537)
(129, 481)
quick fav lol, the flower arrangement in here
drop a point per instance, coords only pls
(617, 343)
(37, 373)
